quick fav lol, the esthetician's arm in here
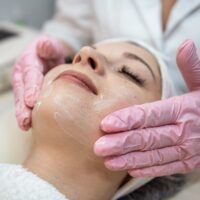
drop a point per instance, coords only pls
(42, 55)
(159, 138)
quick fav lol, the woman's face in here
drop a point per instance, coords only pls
(102, 79)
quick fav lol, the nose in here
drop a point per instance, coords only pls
(88, 56)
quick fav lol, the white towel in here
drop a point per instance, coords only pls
(16, 183)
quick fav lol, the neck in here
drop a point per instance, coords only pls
(77, 175)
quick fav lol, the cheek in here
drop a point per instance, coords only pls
(115, 96)
(118, 94)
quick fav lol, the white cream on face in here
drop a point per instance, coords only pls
(43, 96)
(70, 108)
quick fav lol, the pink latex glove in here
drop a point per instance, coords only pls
(42, 55)
(159, 138)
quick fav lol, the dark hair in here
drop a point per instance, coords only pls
(159, 188)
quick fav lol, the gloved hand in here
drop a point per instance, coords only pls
(42, 55)
(159, 138)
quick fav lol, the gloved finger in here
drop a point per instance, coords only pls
(153, 114)
(184, 166)
(23, 113)
(136, 160)
(49, 48)
(33, 78)
(137, 140)
(189, 64)
(33, 86)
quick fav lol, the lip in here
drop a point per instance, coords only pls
(80, 79)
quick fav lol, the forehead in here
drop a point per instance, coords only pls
(116, 48)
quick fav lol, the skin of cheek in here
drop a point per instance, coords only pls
(121, 95)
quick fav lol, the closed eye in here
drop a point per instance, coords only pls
(132, 76)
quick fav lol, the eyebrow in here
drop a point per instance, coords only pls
(135, 57)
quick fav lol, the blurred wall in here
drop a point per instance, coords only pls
(29, 12)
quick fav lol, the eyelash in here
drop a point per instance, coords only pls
(136, 78)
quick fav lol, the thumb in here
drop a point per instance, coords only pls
(152, 114)
(49, 48)
(189, 64)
